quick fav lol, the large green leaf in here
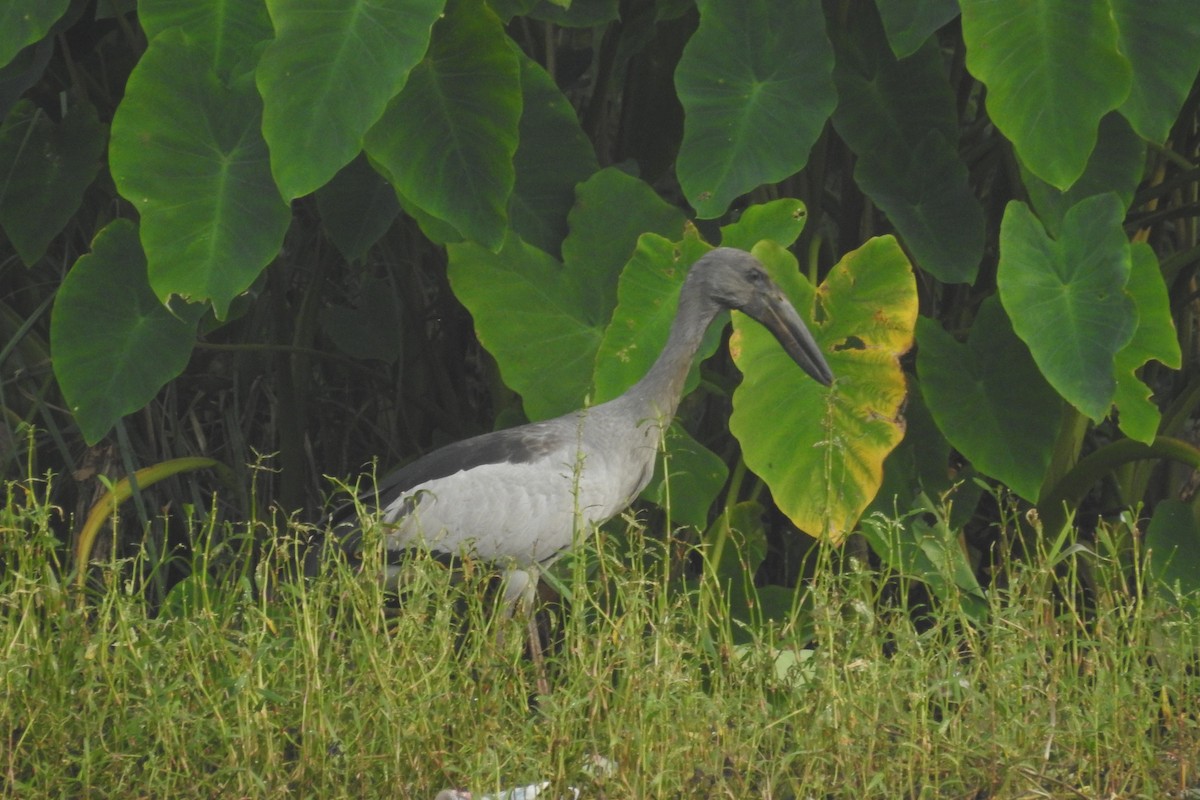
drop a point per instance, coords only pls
(899, 118)
(228, 32)
(114, 344)
(187, 152)
(23, 22)
(910, 23)
(357, 207)
(756, 87)
(547, 351)
(328, 76)
(1116, 165)
(1052, 69)
(553, 156)
(449, 138)
(533, 317)
(648, 296)
(1159, 39)
(821, 450)
(611, 210)
(1066, 296)
(989, 399)
(1155, 338)
(45, 167)
(925, 194)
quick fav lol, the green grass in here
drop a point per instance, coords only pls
(256, 687)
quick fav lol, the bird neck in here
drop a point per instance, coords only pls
(658, 393)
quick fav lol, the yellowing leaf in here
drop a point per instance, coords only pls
(819, 449)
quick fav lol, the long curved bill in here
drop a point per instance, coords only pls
(781, 319)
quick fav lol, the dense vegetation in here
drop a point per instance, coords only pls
(253, 250)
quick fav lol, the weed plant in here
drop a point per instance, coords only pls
(249, 683)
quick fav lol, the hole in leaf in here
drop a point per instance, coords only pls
(850, 343)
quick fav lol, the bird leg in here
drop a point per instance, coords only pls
(520, 594)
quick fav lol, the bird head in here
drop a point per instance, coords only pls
(737, 280)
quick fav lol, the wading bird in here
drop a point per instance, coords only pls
(519, 497)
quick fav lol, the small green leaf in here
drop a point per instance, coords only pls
(357, 207)
(781, 221)
(532, 316)
(756, 87)
(821, 450)
(553, 156)
(449, 138)
(1066, 297)
(187, 152)
(989, 399)
(47, 167)
(114, 344)
(1159, 39)
(23, 22)
(328, 76)
(1155, 338)
(1052, 69)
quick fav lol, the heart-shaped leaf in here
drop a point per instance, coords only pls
(357, 207)
(328, 76)
(756, 89)
(781, 221)
(47, 167)
(1066, 296)
(1159, 39)
(187, 152)
(114, 344)
(545, 351)
(449, 138)
(648, 296)
(989, 399)
(612, 209)
(821, 450)
(1052, 69)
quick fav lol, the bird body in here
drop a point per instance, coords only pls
(519, 497)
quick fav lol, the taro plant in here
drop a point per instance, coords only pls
(255, 226)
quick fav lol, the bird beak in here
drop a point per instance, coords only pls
(781, 319)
